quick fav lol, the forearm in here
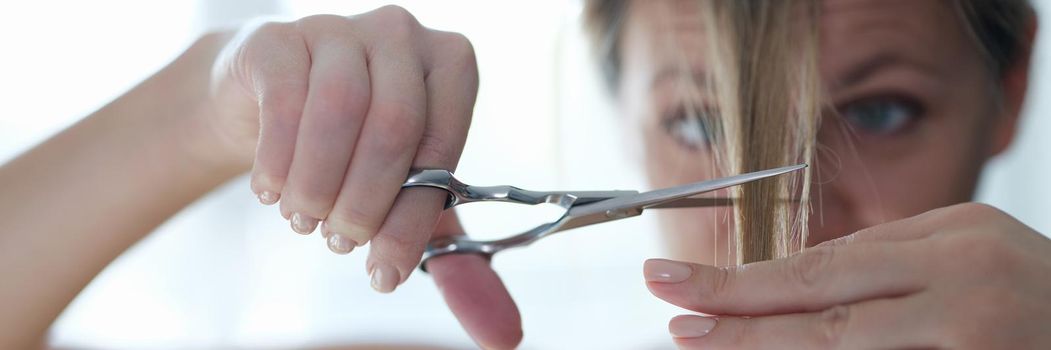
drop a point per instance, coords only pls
(71, 205)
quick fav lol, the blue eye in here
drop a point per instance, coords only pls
(690, 129)
(881, 116)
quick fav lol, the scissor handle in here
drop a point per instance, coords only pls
(459, 244)
(461, 193)
(462, 244)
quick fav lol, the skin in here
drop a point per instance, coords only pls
(889, 284)
(326, 108)
(923, 57)
(321, 111)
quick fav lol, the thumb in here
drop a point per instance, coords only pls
(475, 293)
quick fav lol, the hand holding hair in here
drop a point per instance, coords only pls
(963, 277)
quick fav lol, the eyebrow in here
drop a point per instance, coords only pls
(858, 73)
(700, 78)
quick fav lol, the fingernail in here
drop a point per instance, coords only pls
(690, 326)
(384, 278)
(326, 232)
(666, 271)
(339, 244)
(303, 224)
(268, 198)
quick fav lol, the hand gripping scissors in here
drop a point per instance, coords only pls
(583, 208)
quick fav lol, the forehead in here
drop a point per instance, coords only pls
(925, 22)
(929, 32)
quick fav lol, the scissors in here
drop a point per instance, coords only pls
(582, 208)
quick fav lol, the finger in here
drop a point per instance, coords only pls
(280, 85)
(383, 155)
(882, 323)
(475, 294)
(451, 88)
(816, 279)
(332, 119)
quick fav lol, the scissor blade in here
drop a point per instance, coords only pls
(702, 202)
(673, 195)
(697, 202)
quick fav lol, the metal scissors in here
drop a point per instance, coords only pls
(583, 208)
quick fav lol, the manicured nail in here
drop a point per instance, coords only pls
(268, 198)
(384, 278)
(690, 326)
(339, 244)
(326, 232)
(666, 271)
(303, 224)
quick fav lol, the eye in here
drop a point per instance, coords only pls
(689, 127)
(882, 116)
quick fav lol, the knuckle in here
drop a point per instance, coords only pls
(396, 14)
(973, 209)
(987, 255)
(717, 286)
(459, 47)
(397, 22)
(320, 23)
(271, 59)
(465, 62)
(262, 39)
(971, 214)
(806, 269)
(832, 324)
(457, 54)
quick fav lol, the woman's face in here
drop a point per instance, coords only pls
(913, 114)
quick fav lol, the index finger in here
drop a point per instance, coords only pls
(816, 279)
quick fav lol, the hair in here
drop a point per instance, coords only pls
(997, 26)
(766, 88)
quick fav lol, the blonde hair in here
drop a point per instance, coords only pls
(764, 70)
(764, 81)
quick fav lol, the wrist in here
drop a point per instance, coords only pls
(201, 124)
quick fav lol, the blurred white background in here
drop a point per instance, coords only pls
(228, 272)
